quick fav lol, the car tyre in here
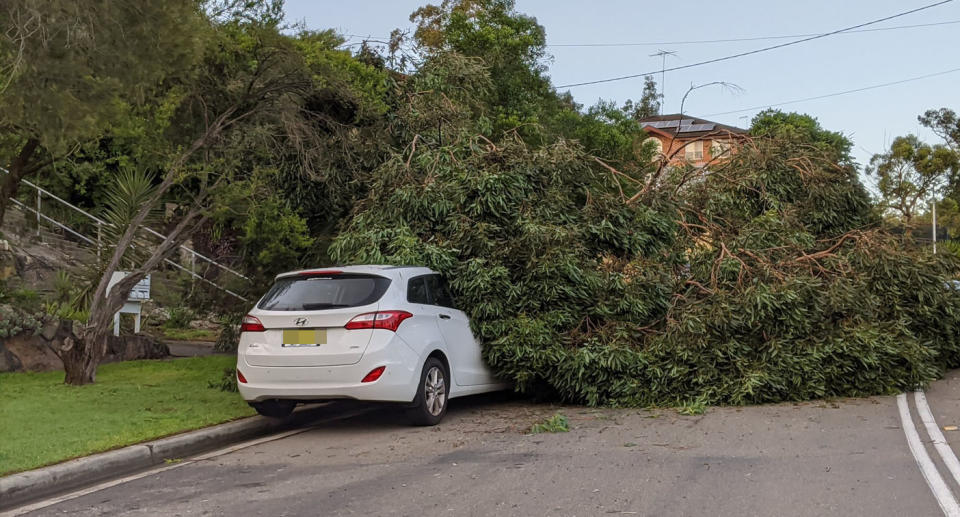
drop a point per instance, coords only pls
(433, 394)
(274, 408)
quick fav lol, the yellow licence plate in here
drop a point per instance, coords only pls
(301, 337)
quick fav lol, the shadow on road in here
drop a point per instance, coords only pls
(348, 414)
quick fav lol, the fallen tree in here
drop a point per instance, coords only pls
(762, 279)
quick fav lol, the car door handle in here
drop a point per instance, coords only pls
(445, 316)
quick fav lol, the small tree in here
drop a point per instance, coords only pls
(910, 173)
(649, 103)
(251, 77)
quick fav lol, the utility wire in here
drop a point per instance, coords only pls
(754, 38)
(707, 41)
(835, 94)
(759, 50)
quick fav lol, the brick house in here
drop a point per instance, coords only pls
(688, 140)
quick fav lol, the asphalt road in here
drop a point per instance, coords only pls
(848, 457)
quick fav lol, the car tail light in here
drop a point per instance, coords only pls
(241, 378)
(374, 374)
(388, 320)
(251, 324)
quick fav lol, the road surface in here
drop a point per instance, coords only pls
(845, 457)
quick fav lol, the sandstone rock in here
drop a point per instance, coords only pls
(33, 353)
(8, 361)
(129, 348)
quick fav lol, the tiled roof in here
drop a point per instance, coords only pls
(685, 126)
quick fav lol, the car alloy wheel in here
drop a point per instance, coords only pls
(435, 390)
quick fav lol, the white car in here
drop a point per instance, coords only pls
(376, 333)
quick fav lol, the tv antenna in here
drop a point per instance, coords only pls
(663, 74)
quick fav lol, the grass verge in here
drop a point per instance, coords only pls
(44, 421)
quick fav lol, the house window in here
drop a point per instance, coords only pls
(693, 151)
(657, 147)
(720, 148)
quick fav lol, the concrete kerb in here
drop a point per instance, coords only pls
(25, 487)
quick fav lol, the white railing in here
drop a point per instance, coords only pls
(97, 242)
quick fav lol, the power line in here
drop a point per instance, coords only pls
(757, 51)
(754, 38)
(722, 40)
(835, 94)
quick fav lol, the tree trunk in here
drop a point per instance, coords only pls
(10, 182)
(80, 367)
(81, 355)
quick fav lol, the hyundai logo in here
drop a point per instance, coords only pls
(300, 322)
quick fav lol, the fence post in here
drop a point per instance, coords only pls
(99, 225)
(39, 193)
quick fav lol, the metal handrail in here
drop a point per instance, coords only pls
(105, 223)
(54, 196)
(195, 254)
(52, 221)
(101, 222)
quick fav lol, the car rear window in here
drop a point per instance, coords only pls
(315, 293)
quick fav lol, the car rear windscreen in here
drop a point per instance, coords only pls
(315, 293)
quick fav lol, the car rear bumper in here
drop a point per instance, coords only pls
(398, 383)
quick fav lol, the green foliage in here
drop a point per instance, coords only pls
(229, 337)
(950, 247)
(66, 311)
(227, 381)
(180, 318)
(556, 424)
(23, 298)
(649, 103)
(945, 124)
(511, 45)
(780, 291)
(801, 128)
(188, 334)
(693, 408)
(14, 322)
(74, 68)
(63, 286)
(912, 172)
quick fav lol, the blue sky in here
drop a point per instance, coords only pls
(836, 63)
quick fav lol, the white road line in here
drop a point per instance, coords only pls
(939, 442)
(219, 452)
(939, 488)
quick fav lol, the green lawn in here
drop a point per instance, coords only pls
(42, 421)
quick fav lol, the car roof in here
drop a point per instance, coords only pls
(372, 269)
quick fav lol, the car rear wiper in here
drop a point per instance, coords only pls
(319, 306)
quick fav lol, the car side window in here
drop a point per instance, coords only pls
(439, 293)
(417, 290)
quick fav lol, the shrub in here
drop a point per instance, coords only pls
(229, 336)
(180, 318)
(227, 381)
(14, 321)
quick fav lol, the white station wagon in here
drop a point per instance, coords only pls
(375, 333)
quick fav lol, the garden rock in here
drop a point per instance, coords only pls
(8, 361)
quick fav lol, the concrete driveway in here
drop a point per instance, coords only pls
(849, 457)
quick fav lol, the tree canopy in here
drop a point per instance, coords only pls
(590, 272)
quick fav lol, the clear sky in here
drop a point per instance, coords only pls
(828, 65)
